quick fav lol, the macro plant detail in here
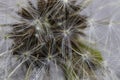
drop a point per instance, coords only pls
(50, 38)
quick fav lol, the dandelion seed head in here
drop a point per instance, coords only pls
(37, 24)
(49, 58)
(66, 33)
(85, 57)
(63, 45)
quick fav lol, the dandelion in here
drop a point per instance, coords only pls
(50, 39)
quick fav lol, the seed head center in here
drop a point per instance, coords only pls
(66, 32)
